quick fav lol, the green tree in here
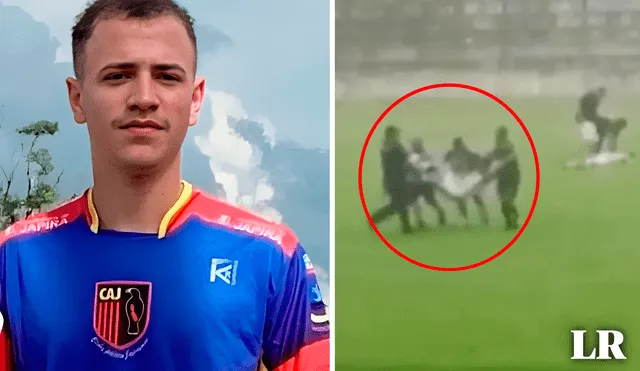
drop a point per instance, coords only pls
(40, 190)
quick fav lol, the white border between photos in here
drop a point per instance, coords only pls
(332, 188)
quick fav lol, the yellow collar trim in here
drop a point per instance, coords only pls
(185, 196)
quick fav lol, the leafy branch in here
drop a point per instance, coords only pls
(38, 162)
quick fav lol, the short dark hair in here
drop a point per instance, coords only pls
(106, 9)
(391, 131)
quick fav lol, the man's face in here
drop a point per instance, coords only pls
(138, 94)
(393, 135)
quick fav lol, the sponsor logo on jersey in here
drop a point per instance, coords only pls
(256, 228)
(224, 270)
(319, 318)
(121, 315)
(316, 294)
(307, 263)
(37, 225)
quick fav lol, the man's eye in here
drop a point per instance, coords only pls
(170, 77)
(115, 76)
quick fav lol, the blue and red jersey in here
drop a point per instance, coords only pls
(217, 288)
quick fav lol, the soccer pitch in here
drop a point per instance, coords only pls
(575, 266)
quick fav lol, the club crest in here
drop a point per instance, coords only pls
(121, 312)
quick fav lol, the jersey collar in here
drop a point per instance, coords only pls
(170, 216)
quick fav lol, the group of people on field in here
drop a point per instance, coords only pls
(412, 177)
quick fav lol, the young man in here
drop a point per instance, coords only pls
(463, 162)
(425, 188)
(143, 271)
(508, 176)
(395, 171)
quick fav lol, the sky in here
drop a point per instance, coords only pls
(279, 62)
(267, 71)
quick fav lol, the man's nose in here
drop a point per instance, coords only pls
(144, 96)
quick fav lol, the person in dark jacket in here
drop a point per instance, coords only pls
(423, 185)
(395, 175)
(508, 176)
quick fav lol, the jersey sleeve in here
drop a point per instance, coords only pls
(296, 334)
(6, 351)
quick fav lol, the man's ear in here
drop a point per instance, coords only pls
(196, 100)
(74, 89)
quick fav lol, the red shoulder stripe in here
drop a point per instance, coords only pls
(217, 211)
(47, 221)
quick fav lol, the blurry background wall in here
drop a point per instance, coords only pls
(384, 48)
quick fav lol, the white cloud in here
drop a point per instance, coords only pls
(269, 129)
(236, 163)
(225, 148)
(324, 289)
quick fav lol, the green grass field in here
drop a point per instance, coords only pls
(576, 265)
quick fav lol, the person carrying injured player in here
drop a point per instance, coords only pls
(424, 182)
(466, 166)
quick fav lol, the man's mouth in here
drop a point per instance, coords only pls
(142, 124)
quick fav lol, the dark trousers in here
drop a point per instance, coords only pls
(427, 191)
(508, 186)
(608, 129)
(400, 199)
(615, 127)
(482, 209)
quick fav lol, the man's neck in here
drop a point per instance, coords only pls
(135, 203)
